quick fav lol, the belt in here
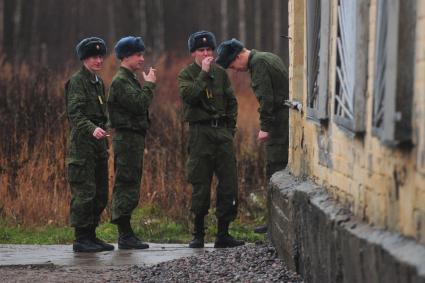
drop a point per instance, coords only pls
(213, 123)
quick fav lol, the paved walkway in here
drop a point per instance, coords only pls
(63, 255)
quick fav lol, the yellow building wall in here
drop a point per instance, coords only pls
(382, 185)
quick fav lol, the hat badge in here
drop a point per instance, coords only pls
(97, 46)
(204, 39)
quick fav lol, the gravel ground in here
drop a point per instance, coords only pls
(250, 263)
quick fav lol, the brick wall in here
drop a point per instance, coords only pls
(384, 186)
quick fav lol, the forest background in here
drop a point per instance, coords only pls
(37, 55)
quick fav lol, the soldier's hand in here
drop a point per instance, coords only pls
(262, 136)
(150, 77)
(206, 63)
(99, 133)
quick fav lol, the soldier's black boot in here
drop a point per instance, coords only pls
(198, 233)
(127, 240)
(262, 229)
(84, 243)
(224, 239)
(105, 246)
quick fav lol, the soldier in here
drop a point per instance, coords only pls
(128, 105)
(269, 77)
(210, 108)
(87, 156)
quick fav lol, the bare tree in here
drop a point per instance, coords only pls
(257, 24)
(276, 25)
(17, 28)
(224, 19)
(143, 20)
(112, 34)
(1, 24)
(242, 22)
(158, 42)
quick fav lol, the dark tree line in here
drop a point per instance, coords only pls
(45, 31)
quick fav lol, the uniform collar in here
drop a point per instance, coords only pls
(251, 55)
(128, 73)
(91, 77)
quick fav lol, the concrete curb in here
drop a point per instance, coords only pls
(323, 242)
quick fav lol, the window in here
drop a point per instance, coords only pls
(394, 71)
(351, 65)
(317, 58)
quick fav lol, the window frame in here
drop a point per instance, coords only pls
(356, 124)
(317, 108)
(397, 97)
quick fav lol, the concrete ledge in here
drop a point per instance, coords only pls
(325, 243)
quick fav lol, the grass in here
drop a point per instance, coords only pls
(150, 223)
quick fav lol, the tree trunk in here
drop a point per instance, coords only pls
(112, 33)
(158, 29)
(224, 19)
(35, 38)
(242, 22)
(143, 20)
(17, 29)
(276, 26)
(257, 24)
(1, 24)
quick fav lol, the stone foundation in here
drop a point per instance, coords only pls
(324, 243)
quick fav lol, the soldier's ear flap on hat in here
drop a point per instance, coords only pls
(227, 52)
(91, 46)
(201, 39)
(129, 45)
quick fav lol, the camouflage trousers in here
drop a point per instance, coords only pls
(211, 151)
(87, 164)
(277, 145)
(128, 161)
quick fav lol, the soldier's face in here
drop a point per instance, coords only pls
(135, 61)
(239, 64)
(202, 53)
(94, 63)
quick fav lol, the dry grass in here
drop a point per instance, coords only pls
(33, 130)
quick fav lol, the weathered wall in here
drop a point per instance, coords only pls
(383, 186)
(323, 242)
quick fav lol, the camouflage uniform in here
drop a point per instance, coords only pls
(269, 77)
(128, 105)
(87, 157)
(210, 108)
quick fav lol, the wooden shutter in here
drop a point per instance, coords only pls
(351, 65)
(317, 58)
(394, 71)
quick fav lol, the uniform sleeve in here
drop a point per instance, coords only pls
(192, 91)
(262, 87)
(232, 103)
(134, 100)
(75, 102)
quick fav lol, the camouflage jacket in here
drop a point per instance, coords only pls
(85, 102)
(128, 102)
(207, 96)
(269, 81)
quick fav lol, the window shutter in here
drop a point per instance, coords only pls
(351, 65)
(317, 58)
(394, 71)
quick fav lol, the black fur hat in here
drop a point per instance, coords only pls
(201, 39)
(91, 46)
(227, 52)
